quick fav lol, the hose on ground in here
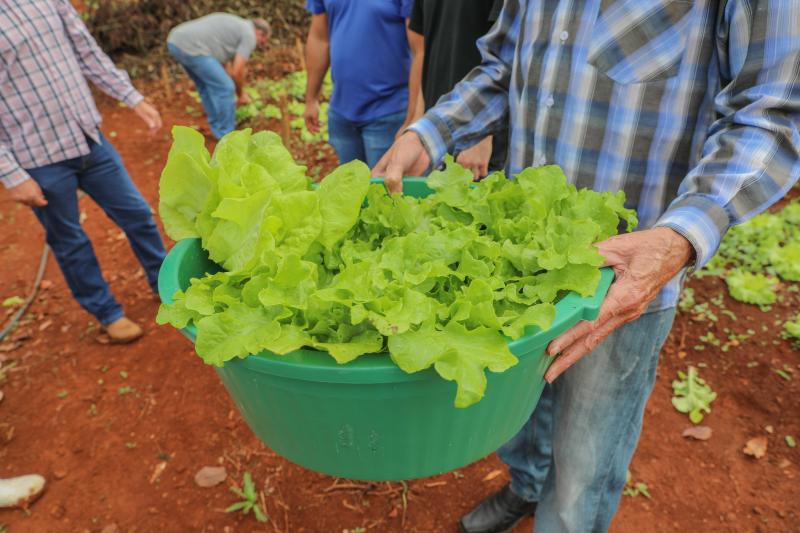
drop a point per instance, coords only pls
(12, 323)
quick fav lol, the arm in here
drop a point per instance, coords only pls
(98, 68)
(476, 106)
(238, 71)
(750, 159)
(318, 60)
(416, 101)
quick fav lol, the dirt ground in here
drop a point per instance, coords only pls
(120, 431)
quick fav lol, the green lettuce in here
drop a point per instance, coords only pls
(441, 282)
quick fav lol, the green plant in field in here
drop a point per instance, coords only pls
(692, 395)
(753, 253)
(791, 329)
(633, 488)
(687, 301)
(249, 499)
(751, 288)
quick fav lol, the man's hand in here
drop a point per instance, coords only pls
(29, 193)
(406, 157)
(643, 263)
(476, 158)
(311, 115)
(243, 99)
(149, 116)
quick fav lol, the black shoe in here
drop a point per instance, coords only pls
(498, 513)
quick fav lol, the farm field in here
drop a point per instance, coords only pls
(120, 431)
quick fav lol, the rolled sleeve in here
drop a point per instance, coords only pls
(701, 220)
(405, 8)
(11, 174)
(434, 134)
(132, 99)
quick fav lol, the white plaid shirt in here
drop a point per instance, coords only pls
(692, 107)
(46, 107)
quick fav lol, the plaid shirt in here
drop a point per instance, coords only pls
(46, 107)
(690, 107)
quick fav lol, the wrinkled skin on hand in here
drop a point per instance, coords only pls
(643, 262)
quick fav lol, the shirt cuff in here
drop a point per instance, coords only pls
(16, 177)
(434, 134)
(701, 220)
(132, 99)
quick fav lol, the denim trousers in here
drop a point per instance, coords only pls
(573, 453)
(216, 89)
(102, 176)
(365, 141)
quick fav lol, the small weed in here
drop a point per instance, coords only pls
(249, 499)
(63, 394)
(635, 488)
(125, 389)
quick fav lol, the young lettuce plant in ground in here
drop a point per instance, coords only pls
(443, 281)
(692, 395)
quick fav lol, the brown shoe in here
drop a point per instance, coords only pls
(123, 330)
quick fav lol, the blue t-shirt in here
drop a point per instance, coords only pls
(370, 59)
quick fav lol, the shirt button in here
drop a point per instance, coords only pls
(564, 36)
(541, 161)
(550, 102)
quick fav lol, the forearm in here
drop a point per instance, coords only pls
(415, 89)
(317, 63)
(240, 80)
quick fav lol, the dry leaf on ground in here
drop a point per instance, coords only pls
(209, 476)
(697, 432)
(756, 447)
(491, 475)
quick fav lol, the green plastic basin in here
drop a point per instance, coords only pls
(367, 419)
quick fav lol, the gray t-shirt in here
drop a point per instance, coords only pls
(219, 35)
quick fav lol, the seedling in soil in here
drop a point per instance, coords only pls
(692, 395)
(635, 488)
(125, 389)
(63, 394)
(782, 374)
(354, 530)
(249, 499)
(790, 441)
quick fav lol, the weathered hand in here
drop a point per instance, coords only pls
(476, 158)
(643, 262)
(243, 99)
(311, 115)
(29, 193)
(406, 157)
(149, 115)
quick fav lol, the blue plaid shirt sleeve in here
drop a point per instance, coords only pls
(751, 157)
(95, 65)
(478, 105)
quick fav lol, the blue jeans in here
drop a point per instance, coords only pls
(573, 453)
(216, 89)
(365, 141)
(103, 177)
